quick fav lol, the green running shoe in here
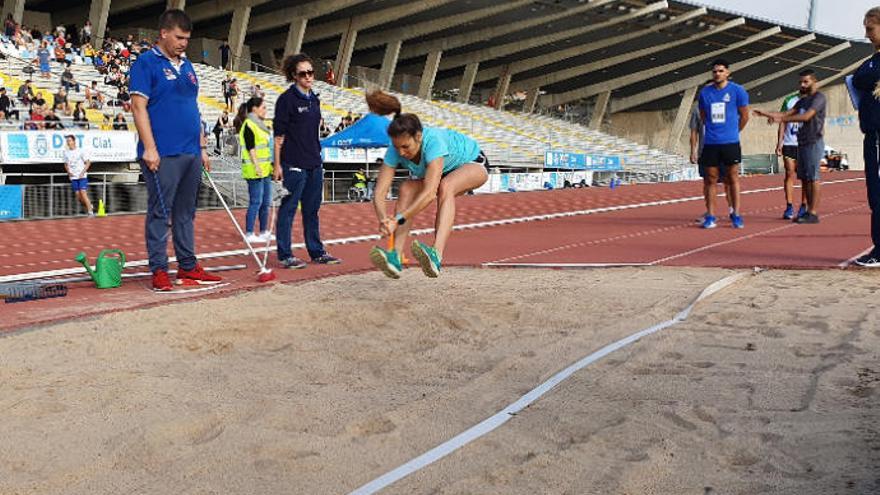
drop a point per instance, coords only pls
(388, 262)
(428, 258)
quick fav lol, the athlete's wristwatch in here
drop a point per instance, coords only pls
(400, 219)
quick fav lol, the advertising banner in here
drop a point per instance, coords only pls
(352, 155)
(11, 199)
(22, 147)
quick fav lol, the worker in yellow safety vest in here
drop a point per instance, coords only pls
(256, 143)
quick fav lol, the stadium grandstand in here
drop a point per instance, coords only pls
(613, 79)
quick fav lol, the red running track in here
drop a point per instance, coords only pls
(660, 234)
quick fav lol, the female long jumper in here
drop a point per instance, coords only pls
(443, 165)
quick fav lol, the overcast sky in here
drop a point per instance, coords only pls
(837, 17)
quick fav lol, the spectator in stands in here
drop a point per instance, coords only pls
(255, 140)
(231, 95)
(171, 149)
(223, 123)
(114, 77)
(443, 164)
(324, 131)
(123, 98)
(88, 51)
(52, 121)
(6, 106)
(224, 56)
(94, 98)
(119, 123)
(67, 80)
(61, 103)
(77, 164)
(257, 92)
(26, 93)
(9, 26)
(86, 32)
(39, 102)
(80, 119)
(35, 120)
(344, 124)
(329, 76)
(58, 52)
(298, 161)
(43, 57)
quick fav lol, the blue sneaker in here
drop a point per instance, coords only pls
(737, 221)
(428, 258)
(388, 262)
(789, 212)
(709, 222)
(802, 211)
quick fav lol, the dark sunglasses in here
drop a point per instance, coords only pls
(305, 73)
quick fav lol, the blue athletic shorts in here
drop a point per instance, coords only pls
(79, 184)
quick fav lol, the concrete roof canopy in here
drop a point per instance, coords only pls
(570, 49)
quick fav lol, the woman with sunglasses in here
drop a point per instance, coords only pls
(298, 162)
(443, 165)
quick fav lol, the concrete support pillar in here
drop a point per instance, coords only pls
(467, 82)
(426, 85)
(681, 118)
(502, 87)
(98, 12)
(295, 34)
(176, 4)
(268, 56)
(237, 31)
(531, 100)
(14, 7)
(343, 55)
(599, 110)
(389, 63)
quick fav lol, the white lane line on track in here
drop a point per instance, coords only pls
(501, 417)
(646, 232)
(743, 238)
(374, 237)
(848, 262)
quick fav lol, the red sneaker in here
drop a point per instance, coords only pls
(161, 282)
(197, 275)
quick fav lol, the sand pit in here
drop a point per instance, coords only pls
(769, 387)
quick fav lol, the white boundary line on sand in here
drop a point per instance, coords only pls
(372, 237)
(501, 417)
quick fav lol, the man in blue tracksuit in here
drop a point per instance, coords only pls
(865, 80)
(298, 162)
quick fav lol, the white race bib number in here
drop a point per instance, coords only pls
(719, 113)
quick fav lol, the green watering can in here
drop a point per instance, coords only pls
(108, 269)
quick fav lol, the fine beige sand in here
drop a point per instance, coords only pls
(771, 386)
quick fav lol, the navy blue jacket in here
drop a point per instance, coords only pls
(865, 80)
(297, 119)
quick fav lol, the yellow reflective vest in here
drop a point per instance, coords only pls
(263, 150)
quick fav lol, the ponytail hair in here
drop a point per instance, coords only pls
(402, 123)
(243, 110)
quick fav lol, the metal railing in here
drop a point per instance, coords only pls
(125, 192)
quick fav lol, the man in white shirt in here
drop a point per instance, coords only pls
(77, 163)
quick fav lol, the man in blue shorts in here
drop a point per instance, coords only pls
(172, 149)
(809, 111)
(77, 163)
(724, 110)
